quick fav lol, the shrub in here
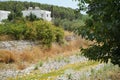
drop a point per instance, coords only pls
(30, 33)
(18, 31)
(59, 34)
(44, 32)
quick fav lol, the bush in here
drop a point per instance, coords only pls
(45, 32)
(59, 34)
(42, 31)
(30, 33)
(68, 25)
(18, 31)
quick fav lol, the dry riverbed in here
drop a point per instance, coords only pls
(75, 67)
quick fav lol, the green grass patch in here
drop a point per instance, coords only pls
(80, 65)
(53, 74)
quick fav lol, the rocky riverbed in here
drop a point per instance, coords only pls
(17, 45)
(48, 66)
(71, 74)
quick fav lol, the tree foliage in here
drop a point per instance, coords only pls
(104, 29)
(31, 17)
(11, 16)
(15, 10)
(68, 24)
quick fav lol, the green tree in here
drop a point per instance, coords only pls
(15, 11)
(11, 16)
(31, 17)
(104, 29)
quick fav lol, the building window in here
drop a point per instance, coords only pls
(41, 15)
(47, 15)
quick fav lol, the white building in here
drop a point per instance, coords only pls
(46, 15)
(4, 14)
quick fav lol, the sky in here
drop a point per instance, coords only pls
(64, 3)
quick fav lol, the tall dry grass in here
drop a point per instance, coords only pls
(37, 53)
(7, 56)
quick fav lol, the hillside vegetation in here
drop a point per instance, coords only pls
(57, 12)
(56, 58)
(67, 18)
(43, 31)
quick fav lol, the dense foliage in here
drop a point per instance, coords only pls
(104, 29)
(31, 17)
(44, 32)
(71, 25)
(69, 19)
(67, 24)
(57, 12)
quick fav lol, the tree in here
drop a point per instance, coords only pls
(15, 11)
(104, 28)
(11, 16)
(31, 17)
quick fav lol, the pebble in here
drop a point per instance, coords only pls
(48, 67)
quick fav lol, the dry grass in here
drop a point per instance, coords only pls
(7, 56)
(115, 75)
(21, 65)
(26, 56)
(6, 37)
(67, 33)
(36, 53)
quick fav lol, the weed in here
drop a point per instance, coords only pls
(59, 58)
(66, 60)
(36, 67)
(69, 76)
(78, 54)
(40, 63)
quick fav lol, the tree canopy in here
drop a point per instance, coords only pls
(104, 29)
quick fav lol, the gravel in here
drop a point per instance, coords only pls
(49, 66)
(77, 75)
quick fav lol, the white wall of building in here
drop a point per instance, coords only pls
(46, 15)
(4, 14)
